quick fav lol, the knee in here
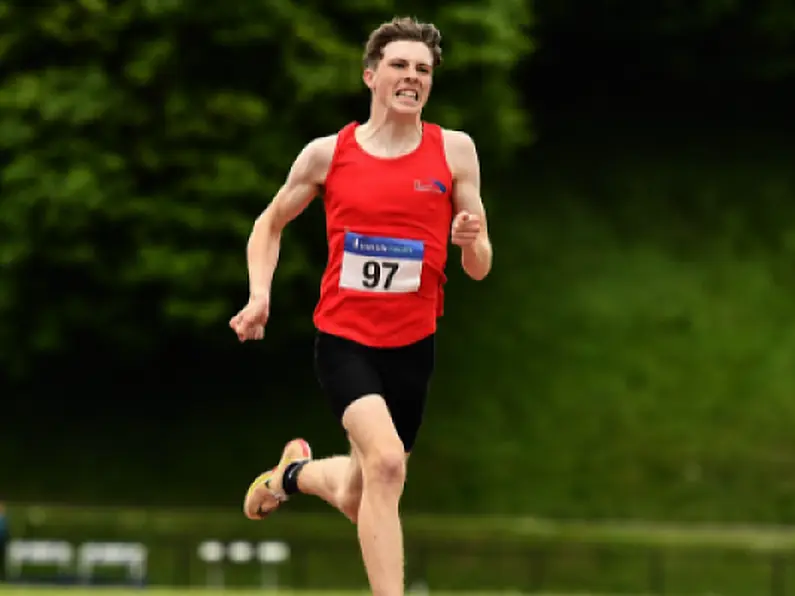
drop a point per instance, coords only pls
(385, 467)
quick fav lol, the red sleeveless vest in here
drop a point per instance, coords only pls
(387, 225)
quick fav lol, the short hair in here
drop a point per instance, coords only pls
(402, 29)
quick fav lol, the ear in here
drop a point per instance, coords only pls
(368, 76)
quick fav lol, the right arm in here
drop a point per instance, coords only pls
(304, 180)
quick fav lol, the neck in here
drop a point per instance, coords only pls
(391, 130)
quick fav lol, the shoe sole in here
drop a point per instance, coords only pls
(306, 454)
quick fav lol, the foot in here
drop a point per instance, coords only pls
(266, 493)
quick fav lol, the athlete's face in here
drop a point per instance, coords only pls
(403, 78)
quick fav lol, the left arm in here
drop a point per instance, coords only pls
(470, 214)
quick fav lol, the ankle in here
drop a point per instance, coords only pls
(290, 478)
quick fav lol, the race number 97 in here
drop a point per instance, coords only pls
(374, 273)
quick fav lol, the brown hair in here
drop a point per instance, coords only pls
(402, 29)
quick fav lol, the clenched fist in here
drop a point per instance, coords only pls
(250, 322)
(466, 228)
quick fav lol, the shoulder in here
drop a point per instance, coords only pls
(460, 150)
(314, 160)
(321, 149)
(457, 139)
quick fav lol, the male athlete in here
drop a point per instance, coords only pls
(394, 189)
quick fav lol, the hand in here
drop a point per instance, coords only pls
(250, 322)
(466, 229)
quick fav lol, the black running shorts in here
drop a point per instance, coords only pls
(348, 370)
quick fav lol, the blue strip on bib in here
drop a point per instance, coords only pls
(394, 248)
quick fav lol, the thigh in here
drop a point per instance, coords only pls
(406, 374)
(371, 430)
(345, 371)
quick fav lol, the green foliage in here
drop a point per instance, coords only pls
(629, 357)
(635, 339)
(144, 137)
(639, 360)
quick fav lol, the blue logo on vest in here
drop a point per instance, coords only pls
(432, 185)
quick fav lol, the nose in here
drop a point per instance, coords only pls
(412, 74)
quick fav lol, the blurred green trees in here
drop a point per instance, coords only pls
(630, 355)
(142, 138)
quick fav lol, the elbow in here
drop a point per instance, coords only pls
(476, 262)
(264, 220)
(264, 230)
(478, 273)
(477, 269)
(267, 223)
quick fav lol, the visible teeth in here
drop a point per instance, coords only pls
(406, 93)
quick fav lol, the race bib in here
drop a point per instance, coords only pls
(373, 264)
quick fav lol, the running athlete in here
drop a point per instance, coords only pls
(396, 189)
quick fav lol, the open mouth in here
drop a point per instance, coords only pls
(409, 94)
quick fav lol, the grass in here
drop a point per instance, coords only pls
(103, 591)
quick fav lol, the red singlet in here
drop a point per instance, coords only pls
(388, 225)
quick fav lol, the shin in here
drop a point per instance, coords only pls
(383, 466)
(337, 480)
